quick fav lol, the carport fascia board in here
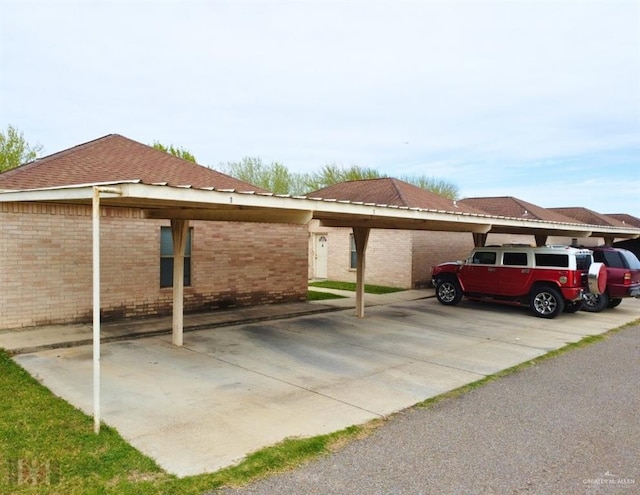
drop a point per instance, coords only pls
(163, 201)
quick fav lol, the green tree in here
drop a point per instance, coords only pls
(333, 174)
(433, 184)
(179, 152)
(15, 150)
(274, 177)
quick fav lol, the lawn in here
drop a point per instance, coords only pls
(314, 295)
(369, 289)
(48, 446)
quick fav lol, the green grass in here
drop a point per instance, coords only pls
(55, 442)
(370, 289)
(314, 295)
(39, 428)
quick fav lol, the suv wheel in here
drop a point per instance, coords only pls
(448, 291)
(614, 302)
(595, 303)
(546, 302)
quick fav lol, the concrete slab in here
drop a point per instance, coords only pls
(232, 390)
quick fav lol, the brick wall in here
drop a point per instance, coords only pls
(431, 248)
(46, 265)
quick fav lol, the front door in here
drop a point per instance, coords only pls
(320, 256)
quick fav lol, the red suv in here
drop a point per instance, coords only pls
(550, 279)
(623, 278)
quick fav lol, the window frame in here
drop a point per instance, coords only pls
(167, 258)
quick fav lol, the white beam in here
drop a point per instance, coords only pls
(179, 232)
(95, 210)
(361, 237)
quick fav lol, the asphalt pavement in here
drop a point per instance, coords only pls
(567, 425)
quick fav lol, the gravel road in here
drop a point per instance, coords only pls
(568, 425)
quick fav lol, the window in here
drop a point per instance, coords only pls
(166, 258)
(484, 258)
(558, 260)
(515, 259)
(353, 260)
(609, 258)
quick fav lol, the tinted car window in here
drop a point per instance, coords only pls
(561, 260)
(517, 259)
(583, 261)
(484, 258)
(613, 259)
(632, 262)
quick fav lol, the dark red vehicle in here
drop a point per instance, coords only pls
(623, 278)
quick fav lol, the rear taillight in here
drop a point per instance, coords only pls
(626, 280)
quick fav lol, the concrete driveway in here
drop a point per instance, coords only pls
(232, 390)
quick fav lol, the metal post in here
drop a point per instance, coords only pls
(96, 308)
(360, 236)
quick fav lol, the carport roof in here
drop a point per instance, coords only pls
(186, 202)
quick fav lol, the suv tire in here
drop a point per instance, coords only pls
(448, 291)
(546, 302)
(614, 302)
(595, 303)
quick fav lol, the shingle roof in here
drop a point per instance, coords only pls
(626, 219)
(388, 191)
(508, 206)
(591, 217)
(115, 158)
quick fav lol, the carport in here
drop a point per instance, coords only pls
(182, 204)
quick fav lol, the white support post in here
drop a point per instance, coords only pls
(96, 308)
(179, 231)
(361, 237)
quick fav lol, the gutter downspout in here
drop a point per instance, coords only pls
(95, 215)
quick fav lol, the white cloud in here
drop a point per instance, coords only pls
(470, 86)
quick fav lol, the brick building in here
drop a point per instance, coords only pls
(398, 258)
(45, 249)
(403, 258)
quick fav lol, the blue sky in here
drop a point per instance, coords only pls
(534, 99)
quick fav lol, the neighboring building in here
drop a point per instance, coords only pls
(45, 249)
(403, 258)
(398, 258)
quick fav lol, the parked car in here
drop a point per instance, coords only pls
(549, 279)
(623, 278)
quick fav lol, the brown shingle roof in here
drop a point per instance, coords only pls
(626, 219)
(509, 206)
(591, 217)
(388, 191)
(114, 158)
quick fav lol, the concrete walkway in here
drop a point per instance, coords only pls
(55, 336)
(234, 389)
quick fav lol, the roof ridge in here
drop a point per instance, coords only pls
(395, 182)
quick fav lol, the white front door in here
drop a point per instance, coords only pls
(320, 256)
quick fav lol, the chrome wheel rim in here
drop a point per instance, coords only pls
(545, 303)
